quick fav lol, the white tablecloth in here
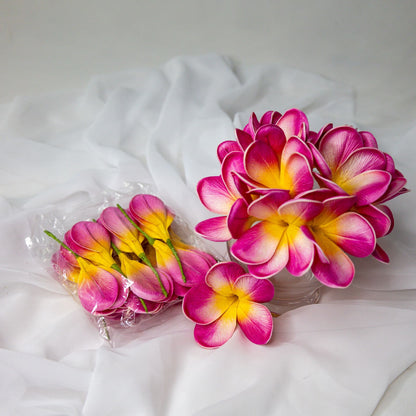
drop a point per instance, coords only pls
(61, 154)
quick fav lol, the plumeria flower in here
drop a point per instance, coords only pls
(351, 164)
(271, 162)
(229, 296)
(277, 240)
(152, 215)
(154, 219)
(335, 231)
(92, 241)
(124, 235)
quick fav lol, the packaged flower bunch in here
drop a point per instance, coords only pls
(288, 197)
(128, 263)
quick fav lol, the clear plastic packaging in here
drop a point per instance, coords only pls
(125, 257)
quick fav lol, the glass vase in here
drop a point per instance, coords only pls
(290, 292)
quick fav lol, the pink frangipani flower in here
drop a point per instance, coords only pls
(229, 296)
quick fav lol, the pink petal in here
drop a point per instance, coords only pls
(252, 289)
(368, 139)
(339, 272)
(116, 223)
(296, 145)
(90, 236)
(226, 147)
(258, 244)
(292, 123)
(214, 195)
(238, 220)
(203, 306)
(255, 321)
(315, 137)
(218, 332)
(337, 205)
(244, 139)
(270, 117)
(214, 229)
(252, 126)
(324, 182)
(320, 162)
(296, 175)
(99, 291)
(267, 205)
(380, 254)
(352, 233)
(299, 211)
(338, 144)
(262, 164)
(222, 276)
(133, 302)
(301, 252)
(359, 161)
(395, 188)
(276, 263)
(273, 136)
(368, 186)
(379, 220)
(195, 266)
(232, 163)
(146, 285)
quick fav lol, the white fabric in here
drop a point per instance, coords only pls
(67, 154)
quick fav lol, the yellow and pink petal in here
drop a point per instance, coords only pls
(255, 321)
(217, 333)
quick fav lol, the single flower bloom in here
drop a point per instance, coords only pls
(335, 232)
(350, 163)
(277, 240)
(272, 162)
(124, 235)
(91, 241)
(229, 296)
(152, 215)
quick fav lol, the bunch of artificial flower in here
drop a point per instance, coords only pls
(129, 262)
(294, 198)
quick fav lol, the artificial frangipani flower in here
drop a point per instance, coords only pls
(299, 199)
(122, 267)
(229, 296)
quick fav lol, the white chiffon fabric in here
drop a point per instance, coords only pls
(65, 152)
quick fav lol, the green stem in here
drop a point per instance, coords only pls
(118, 269)
(175, 253)
(144, 305)
(146, 261)
(151, 240)
(49, 234)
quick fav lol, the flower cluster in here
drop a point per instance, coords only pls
(129, 262)
(294, 198)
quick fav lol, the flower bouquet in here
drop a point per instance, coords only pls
(129, 263)
(288, 197)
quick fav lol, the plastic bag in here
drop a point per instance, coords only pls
(126, 258)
